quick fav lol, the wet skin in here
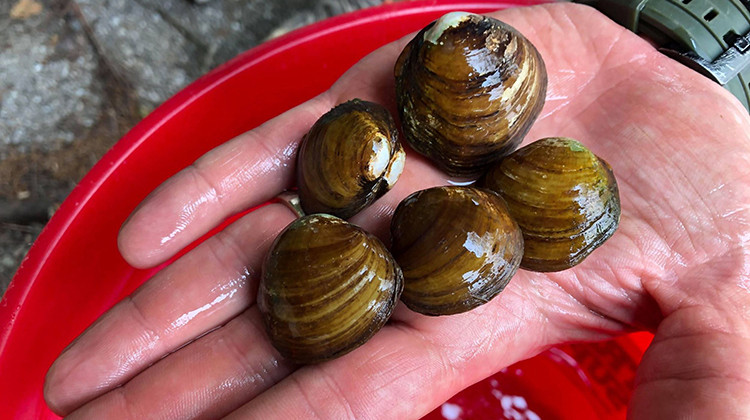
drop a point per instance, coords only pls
(189, 343)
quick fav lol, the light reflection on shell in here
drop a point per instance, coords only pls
(564, 198)
(349, 158)
(457, 246)
(327, 286)
(468, 88)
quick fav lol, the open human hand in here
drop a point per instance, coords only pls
(190, 342)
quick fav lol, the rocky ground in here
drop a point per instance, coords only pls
(75, 75)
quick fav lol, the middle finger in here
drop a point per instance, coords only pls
(199, 292)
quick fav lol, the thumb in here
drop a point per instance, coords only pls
(698, 365)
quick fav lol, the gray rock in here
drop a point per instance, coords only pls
(162, 45)
(15, 241)
(319, 10)
(48, 86)
(228, 27)
(138, 43)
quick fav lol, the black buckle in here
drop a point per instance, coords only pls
(725, 67)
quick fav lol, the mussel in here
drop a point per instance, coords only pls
(468, 89)
(326, 287)
(564, 198)
(457, 246)
(349, 158)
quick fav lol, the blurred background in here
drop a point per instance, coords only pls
(76, 75)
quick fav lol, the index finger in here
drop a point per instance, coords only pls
(248, 170)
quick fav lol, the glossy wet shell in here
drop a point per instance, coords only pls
(564, 198)
(469, 88)
(327, 286)
(349, 158)
(457, 246)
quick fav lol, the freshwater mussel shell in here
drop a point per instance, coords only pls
(468, 88)
(457, 246)
(349, 158)
(327, 286)
(564, 198)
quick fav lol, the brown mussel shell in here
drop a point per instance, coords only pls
(349, 158)
(457, 246)
(468, 88)
(327, 286)
(564, 198)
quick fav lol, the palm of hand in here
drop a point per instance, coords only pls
(680, 150)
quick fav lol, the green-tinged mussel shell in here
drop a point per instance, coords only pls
(468, 88)
(457, 246)
(349, 158)
(327, 286)
(564, 198)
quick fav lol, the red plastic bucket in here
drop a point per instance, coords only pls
(73, 273)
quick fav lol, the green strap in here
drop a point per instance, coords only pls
(710, 36)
